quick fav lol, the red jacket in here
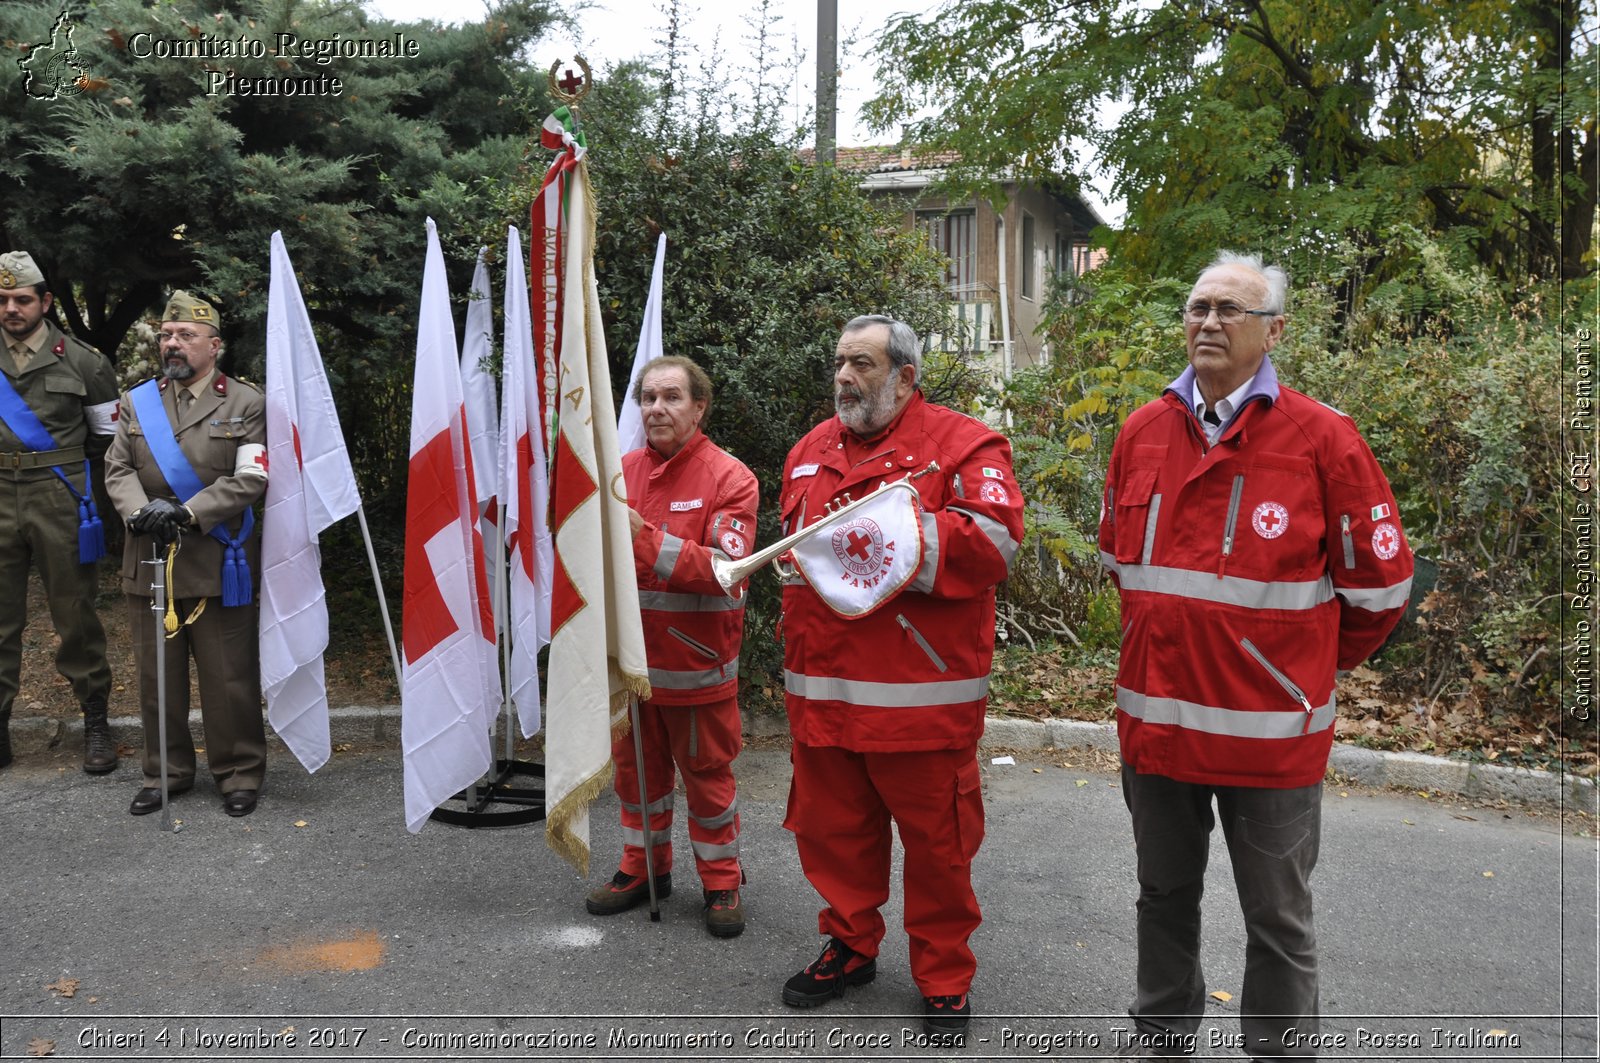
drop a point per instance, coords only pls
(913, 675)
(1249, 571)
(699, 503)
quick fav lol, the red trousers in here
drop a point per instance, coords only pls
(840, 807)
(701, 741)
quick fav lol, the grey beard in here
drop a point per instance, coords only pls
(871, 413)
(179, 370)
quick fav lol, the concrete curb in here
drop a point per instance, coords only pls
(1369, 767)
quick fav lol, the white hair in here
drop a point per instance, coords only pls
(1275, 276)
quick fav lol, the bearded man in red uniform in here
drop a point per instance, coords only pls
(1257, 548)
(689, 501)
(886, 708)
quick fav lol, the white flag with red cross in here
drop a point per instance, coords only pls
(525, 486)
(312, 485)
(447, 699)
(861, 560)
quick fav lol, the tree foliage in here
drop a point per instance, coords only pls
(767, 258)
(143, 181)
(153, 177)
(1283, 125)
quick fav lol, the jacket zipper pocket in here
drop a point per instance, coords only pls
(938, 662)
(1233, 521)
(1284, 681)
(694, 644)
(1349, 543)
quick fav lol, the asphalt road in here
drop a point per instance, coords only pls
(318, 927)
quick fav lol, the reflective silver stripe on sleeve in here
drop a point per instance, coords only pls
(996, 533)
(721, 819)
(1377, 599)
(678, 602)
(667, 560)
(1150, 529)
(1234, 723)
(696, 680)
(1228, 590)
(930, 555)
(659, 805)
(708, 851)
(885, 695)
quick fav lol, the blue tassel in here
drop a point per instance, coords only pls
(235, 577)
(91, 534)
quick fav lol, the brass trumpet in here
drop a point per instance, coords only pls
(732, 573)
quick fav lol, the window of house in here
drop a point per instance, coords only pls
(954, 234)
(1025, 273)
(1064, 263)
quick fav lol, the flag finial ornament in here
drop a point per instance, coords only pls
(571, 88)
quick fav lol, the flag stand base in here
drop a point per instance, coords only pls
(528, 801)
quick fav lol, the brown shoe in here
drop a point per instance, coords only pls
(99, 748)
(626, 891)
(724, 913)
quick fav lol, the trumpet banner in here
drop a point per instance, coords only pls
(861, 561)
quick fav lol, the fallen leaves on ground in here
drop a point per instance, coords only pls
(40, 1047)
(64, 986)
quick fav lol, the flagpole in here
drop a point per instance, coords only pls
(502, 613)
(644, 811)
(383, 607)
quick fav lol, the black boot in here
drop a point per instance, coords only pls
(5, 738)
(99, 748)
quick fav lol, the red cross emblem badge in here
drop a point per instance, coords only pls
(732, 544)
(1270, 520)
(994, 491)
(859, 546)
(1386, 540)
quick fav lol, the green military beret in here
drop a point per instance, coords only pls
(185, 307)
(17, 270)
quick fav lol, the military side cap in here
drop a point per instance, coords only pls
(185, 307)
(18, 270)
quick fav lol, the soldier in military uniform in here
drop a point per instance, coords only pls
(57, 400)
(219, 424)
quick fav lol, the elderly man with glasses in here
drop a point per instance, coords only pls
(187, 464)
(1257, 548)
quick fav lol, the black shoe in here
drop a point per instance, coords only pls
(828, 976)
(239, 802)
(626, 891)
(148, 799)
(99, 748)
(946, 1016)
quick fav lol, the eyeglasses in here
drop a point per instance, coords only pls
(1227, 313)
(182, 336)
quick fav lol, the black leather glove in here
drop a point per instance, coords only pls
(159, 519)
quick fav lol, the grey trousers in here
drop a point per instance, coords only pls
(1272, 838)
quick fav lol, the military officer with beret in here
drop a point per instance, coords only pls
(187, 464)
(58, 398)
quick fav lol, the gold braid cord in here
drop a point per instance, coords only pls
(170, 622)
